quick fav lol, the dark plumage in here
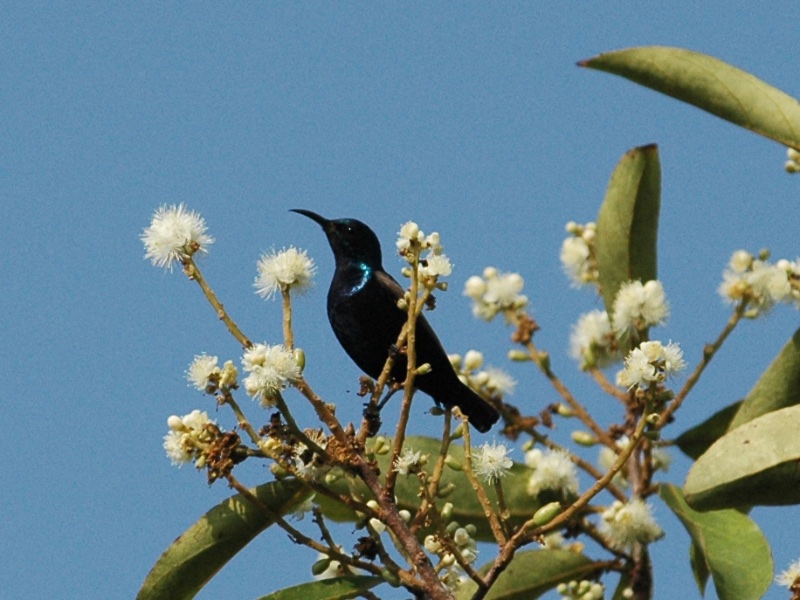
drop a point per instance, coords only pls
(362, 309)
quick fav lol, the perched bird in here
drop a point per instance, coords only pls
(363, 312)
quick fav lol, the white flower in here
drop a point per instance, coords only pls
(271, 369)
(201, 369)
(409, 231)
(790, 576)
(473, 359)
(187, 437)
(436, 265)
(499, 382)
(432, 544)
(758, 281)
(174, 233)
(552, 470)
(495, 293)
(408, 461)
(289, 268)
(575, 260)
(651, 362)
(639, 306)
(592, 342)
(624, 525)
(492, 462)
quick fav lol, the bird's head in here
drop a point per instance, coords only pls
(350, 240)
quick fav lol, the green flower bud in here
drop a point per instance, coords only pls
(546, 513)
(584, 438)
(518, 356)
(453, 463)
(390, 577)
(319, 567)
(300, 358)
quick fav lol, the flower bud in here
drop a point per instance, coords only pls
(300, 358)
(447, 511)
(319, 567)
(453, 463)
(175, 423)
(473, 360)
(584, 438)
(546, 513)
(518, 356)
(390, 577)
(424, 369)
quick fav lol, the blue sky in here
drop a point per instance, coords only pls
(471, 119)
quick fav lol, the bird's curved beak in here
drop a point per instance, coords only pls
(324, 223)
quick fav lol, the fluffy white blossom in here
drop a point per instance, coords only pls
(436, 265)
(492, 462)
(638, 306)
(759, 282)
(271, 369)
(592, 341)
(499, 381)
(201, 369)
(174, 233)
(289, 268)
(790, 576)
(624, 525)
(577, 254)
(651, 362)
(408, 461)
(494, 293)
(552, 470)
(188, 436)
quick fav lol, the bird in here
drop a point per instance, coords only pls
(366, 320)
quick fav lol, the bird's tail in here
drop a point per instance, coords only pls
(480, 413)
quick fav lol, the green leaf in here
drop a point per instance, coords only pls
(533, 573)
(197, 555)
(778, 387)
(699, 567)
(693, 442)
(730, 544)
(339, 588)
(627, 226)
(710, 84)
(754, 464)
(467, 509)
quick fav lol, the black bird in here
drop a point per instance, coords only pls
(363, 311)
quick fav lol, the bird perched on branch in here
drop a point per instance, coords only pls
(364, 315)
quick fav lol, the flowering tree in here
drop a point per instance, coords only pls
(423, 505)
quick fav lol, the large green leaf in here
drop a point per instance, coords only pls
(339, 588)
(710, 84)
(730, 544)
(756, 463)
(197, 555)
(627, 226)
(693, 442)
(467, 508)
(778, 387)
(533, 573)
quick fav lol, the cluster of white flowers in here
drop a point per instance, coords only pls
(271, 369)
(552, 470)
(464, 538)
(175, 233)
(623, 525)
(496, 293)
(308, 464)
(188, 437)
(791, 576)
(592, 342)
(491, 462)
(792, 164)
(205, 374)
(435, 264)
(581, 590)
(491, 381)
(278, 271)
(409, 461)
(638, 306)
(762, 283)
(578, 253)
(651, 362)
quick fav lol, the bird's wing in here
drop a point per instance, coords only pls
(389, 283)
